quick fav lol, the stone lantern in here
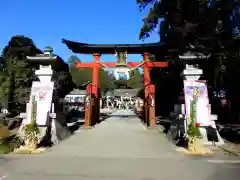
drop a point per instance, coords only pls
(190, 60)
(42, 91)
(45, 60)
(192, 73)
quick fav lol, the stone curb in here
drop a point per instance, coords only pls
(30, 151)
(229, 150)
(198, 152)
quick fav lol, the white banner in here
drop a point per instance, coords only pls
(43, 95)
(203, 114)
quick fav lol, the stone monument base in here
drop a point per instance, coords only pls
(58, 132)
(196, 148)
(49, 135)
(25, 150)
(205, 139)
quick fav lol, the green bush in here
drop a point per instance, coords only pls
(8, 145)
(30, 128)
(193, 130)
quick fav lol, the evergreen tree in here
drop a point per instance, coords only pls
(81, 76)
(19, 73)
(72, 60)
(136, 80)
(62, 78)
(210, 25)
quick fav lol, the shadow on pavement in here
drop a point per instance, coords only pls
(76, 123)
(164, 122)
(75, 126)
(124, 116)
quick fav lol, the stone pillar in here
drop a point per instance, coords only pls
(107, 101)
(42, 92)
(192, 73)
(44, 74)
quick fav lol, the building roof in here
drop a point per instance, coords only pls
(85, 48)
(77, 92)
(126, 92)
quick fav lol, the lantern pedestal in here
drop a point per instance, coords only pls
(42, 92)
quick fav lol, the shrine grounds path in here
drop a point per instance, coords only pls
(119, 148)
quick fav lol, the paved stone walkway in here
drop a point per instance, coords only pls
(119, 148)
(120, 136)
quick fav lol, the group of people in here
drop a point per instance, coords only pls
(123, 105)
(118, 104)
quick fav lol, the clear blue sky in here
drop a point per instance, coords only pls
(90, 21)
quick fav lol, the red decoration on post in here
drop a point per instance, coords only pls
(198, 124)
(42, 96)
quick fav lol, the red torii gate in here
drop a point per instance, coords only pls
(93, 98)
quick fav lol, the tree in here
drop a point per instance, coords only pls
(178, 15)
(72, 60)
(82, 76)
(136, 80)
(213, 25)
(105, 81)
(121, 84)
(62, 78)
(4, 84)
(18, 73)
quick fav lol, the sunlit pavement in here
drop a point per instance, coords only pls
(119, 148)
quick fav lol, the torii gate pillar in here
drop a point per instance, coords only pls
(149, 95)
(95, 75)
(92, 107)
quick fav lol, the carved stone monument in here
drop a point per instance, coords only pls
(42, 91)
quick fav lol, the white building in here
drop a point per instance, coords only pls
(74, 100)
